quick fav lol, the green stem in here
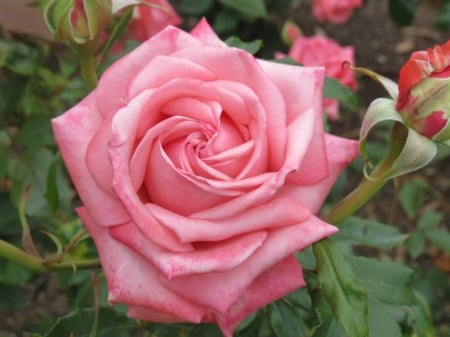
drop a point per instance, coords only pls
(87, 62)
(75, 264)
(17, 255)
(354, 201)
(20, 257)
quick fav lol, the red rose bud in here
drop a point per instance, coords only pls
(424, 93)
(290, 32)
(77, 21)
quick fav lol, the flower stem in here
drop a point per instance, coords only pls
(20, 257)
(88, 71)
(17, 255)
(354, 201)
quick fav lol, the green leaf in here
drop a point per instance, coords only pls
(415, 245)
(439, 237)
(36, 131)
(252, 47)
(430, 220)
(195, 7)
(18, 57)
(402, 11)
(52, 192)
(79, 323)
(386, 281)
(341, 289)
(411, 196)
(285, 320)
(9, 219)
(252, 9)
(11, 93)
(334, 89)
(357, 231)
(226, 21)
(328, 327)
(382, 320)
(13, 274)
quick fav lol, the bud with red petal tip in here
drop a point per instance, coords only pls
(77, 21)
(424, 93)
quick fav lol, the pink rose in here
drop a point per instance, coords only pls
(335, 11)
(200, 169)
(323, 51)
(147, 21)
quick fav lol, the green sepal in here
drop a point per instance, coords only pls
(408, 150)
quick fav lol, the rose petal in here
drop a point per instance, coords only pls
(238, 66)
(294, 84)
(133, 280)
(341, 152)
(217, 257)
(204, 32)
(279, 212)
(278, 281)
(111, 91)
(73, 132)
(220, 290)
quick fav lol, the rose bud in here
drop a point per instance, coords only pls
(77, 21)
(424, 92)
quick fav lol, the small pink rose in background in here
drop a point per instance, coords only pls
(335, 11)
(323, 51)
(148, 21)
(200, 170)
(424, 92)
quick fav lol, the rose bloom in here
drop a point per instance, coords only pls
(335, 11)
(147, 21)
(200, 169)
(323, 51)
(424, 92)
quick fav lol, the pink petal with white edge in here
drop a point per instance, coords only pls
(73, 131)
(278, 281)
(279, 212)
(207, 258)
(206, 34)
(294, 83)
(111, 92)
(220, 290)
(133, 280)
(341, 152)
(163, 69)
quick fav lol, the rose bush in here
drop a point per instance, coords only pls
(323, 51)
(200, 169)
(424, 92)
(335, 11)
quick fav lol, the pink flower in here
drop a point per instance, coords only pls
(200, 169)
(424, 92)
(147, 20)
(323, 51)
(335, 11)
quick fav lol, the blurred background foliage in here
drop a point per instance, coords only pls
(406, 227)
